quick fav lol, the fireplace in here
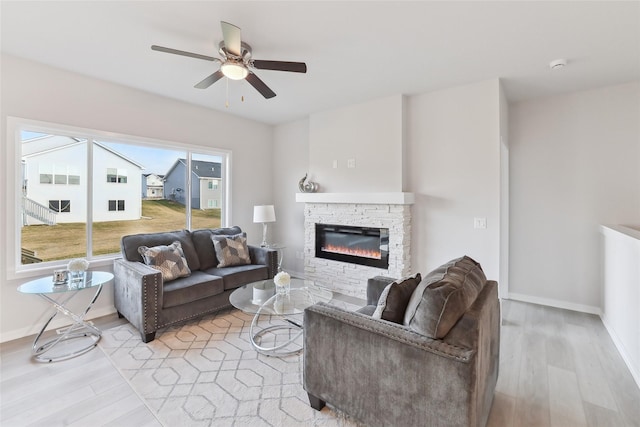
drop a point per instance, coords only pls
(356, 245)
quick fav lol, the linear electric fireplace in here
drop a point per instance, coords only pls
(357, 245)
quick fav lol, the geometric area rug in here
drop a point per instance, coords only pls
(206, 373)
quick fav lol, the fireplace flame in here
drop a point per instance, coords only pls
(364, 253)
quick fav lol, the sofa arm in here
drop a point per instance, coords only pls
(375, 286)
(265, 256)
(383, 373)
(138, 294)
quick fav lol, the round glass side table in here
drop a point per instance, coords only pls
(79, 329)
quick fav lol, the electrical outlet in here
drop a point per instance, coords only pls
(351, 163)
(480, 223)
(335, 164)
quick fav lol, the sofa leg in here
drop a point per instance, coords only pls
(120, 315)
(315, 402)
(146, 338)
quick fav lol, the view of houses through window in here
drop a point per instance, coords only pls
(81, 195)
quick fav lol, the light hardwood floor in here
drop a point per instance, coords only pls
(84, 391)
(560, 368)
(557, 368)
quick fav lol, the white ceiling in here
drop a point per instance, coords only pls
(355, 51)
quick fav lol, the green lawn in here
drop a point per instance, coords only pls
(63, 241)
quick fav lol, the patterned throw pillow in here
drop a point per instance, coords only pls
(231, 250)
(395, 297)
(169, 260)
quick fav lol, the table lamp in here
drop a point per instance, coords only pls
(264, 214)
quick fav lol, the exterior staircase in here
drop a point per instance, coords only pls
(29, 257)
(36, 210)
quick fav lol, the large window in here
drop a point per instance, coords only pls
(82, 192)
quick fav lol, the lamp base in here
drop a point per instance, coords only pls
(264, 243)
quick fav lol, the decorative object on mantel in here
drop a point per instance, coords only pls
(264, 214)
(309, 187)
(282, 281)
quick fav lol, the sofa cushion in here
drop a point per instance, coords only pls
(443, 296)
(130, 244)
(239, 275)
(231, 250)
(204, 244)
(395, 298)
(169, 260)
(188, 289)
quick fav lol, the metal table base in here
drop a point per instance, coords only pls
(279, 349)
(79, 329)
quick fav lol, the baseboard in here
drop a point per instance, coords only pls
(56, 324)
(555, 303)
(622, 350)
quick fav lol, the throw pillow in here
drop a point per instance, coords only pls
(444, 296)
(231, 250)
(169, 260)
(395, 297)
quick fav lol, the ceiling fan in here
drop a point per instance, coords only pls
(237, 63)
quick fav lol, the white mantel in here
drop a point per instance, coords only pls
(357, 198)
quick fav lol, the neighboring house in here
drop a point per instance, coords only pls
(206, 183)
(152, 186)
(55, 180)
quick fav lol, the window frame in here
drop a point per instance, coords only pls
(116, 205)
(13, 165)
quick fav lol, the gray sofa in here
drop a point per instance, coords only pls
(142, 297)
(438, 367)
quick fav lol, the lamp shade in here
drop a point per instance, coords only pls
(264, 213)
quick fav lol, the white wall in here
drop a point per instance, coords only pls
(454, 151)
(371, 133)
(621, 293)
(575, 164)
(291, 162)
(451, 143)
(38, 92)
(503, 280)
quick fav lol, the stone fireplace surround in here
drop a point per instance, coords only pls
(384, 210)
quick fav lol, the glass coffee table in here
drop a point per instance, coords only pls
(286, 309)
(80, 328)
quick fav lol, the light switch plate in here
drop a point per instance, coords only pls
(480, 223)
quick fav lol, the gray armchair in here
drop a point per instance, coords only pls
(389, 374)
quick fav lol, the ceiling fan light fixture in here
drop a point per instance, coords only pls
(234, 70)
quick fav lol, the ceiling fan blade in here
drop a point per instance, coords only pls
(210, 80)
(294, 67)
(231, 36)
(183, 53)
(260, 86)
